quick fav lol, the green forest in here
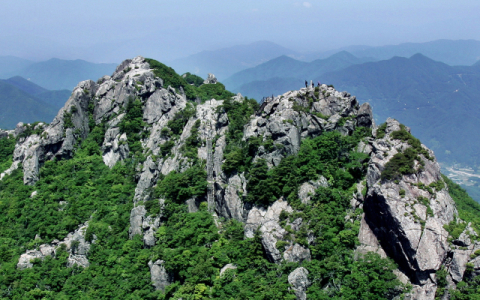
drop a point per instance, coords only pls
(195, 246)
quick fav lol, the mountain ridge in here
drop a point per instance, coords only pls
(397, 87)
(192, 191)
(287, 67)
(226, 61)
(451, 52)
(25, 107)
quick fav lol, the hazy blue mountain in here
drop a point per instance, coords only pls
(451, 52)
(25, 85)
(9, 65)
(440, 102)
(287, 67)
(314, 55)
(334, 62)
(58, 74)
(279, 67)
(263, 88)
(56, 98)
(19, 106)
(225, 62)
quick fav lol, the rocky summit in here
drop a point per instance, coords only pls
(151, 185)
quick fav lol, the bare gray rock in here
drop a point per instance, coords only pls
(423, 292)
(25, 260)
(267, 222)
(226, 268)
(368, 240)
(3, 134)
(159, 276)
(459, 264)
(231, 205)
(307, 189)
(298, 279)
(296, 253)
(75, 244)
(365, 115)
(136, 220)
(280, 119)
(150, 225)
(409, 231)
(211, 79)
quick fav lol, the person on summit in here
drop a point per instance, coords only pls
(318, 84)
(306, 84)
(313, 85)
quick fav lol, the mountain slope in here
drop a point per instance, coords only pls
(140, 188)
(227, 61)
(18, 106)
(55, 98)
(286, 67)
(57, 74)
(25, 85)
(11, 64)
(439, 102)
(451, 52)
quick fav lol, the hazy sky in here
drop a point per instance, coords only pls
(109, 31)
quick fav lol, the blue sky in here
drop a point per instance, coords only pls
(109, 31)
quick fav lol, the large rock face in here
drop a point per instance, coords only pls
(267, 221)
(159, 276)
(299, 281)
(74, 243)
(405, 217)
(295, 115)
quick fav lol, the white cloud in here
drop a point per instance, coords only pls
(307, 4)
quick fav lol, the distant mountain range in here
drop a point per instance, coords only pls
(287, 67)
(439, 102)
(53, 74)
(24, 101)
(451, 52)
(418, 91)
(227, 61)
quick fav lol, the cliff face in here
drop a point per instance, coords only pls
(405, 203)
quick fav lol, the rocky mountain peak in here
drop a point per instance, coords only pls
(147, 114)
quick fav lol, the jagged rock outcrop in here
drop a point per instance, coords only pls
(143, 224)
(159, 276)
(226, 268)
(267, 221)
(229, 203)
(299, 281)
(109, 96)
(295, 115)
(74, 243)
(307, 189)
(464, 251)
(211, 79)
(405, 218)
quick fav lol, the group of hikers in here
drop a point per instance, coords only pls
(265, 100)
(313, 85)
